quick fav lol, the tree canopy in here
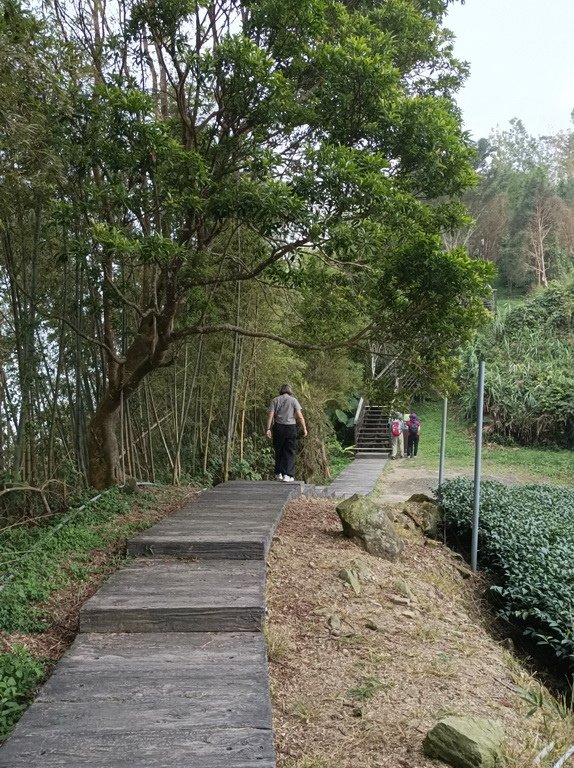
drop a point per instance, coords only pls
(523, 206)
(187, 150)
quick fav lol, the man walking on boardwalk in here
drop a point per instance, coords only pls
(284, 413)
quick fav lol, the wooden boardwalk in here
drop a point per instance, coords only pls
(359, 477)
(170, 669)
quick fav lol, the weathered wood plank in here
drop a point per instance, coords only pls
(208, 748)
(151, 701)
(359, 477)
(179, 596)
(235, 520)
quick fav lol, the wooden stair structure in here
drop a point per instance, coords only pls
(170, 667)
(372, 431)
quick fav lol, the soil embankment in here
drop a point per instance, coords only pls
(359, 678)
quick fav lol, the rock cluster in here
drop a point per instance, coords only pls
(369, 526)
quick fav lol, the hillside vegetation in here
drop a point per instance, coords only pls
(529, 385)
(541, 464)
(358, 679)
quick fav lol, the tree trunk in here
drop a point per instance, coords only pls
(104, 454)
(147, 352)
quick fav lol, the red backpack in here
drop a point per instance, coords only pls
(396, 427)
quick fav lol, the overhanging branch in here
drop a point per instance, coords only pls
(229, 328)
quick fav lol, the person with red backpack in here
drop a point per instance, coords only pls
(397, 443)
(414, 430)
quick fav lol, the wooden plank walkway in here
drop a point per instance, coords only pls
(170, 668)
(178, 596)
(232, 521)
(160, 677)
(360, 476)
(175, 700)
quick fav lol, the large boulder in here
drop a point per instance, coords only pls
(433, 521)
(466, 742)
(369, 526)
(419, 498)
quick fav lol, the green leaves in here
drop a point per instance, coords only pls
(20, 673)
(526, 537)
(529, 354)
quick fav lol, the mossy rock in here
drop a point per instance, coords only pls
(433, 520)
(419, 498)
(368, 525)
(466, 742)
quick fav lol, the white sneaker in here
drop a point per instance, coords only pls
(278, 477)
(288, 479)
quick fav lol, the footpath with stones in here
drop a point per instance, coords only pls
(170, 669)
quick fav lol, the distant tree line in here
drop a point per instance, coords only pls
(523, 207)
(529, 386)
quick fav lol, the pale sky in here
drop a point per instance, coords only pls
(521, 54)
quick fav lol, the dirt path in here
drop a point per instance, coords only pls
(403, 477)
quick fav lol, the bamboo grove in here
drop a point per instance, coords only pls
(200, 200)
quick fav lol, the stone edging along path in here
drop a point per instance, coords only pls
(170, 669)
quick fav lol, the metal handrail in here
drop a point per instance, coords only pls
(359, 416)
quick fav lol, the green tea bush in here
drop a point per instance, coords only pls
(526, 537)
(20, 673)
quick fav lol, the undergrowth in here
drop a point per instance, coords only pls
(36, 561)
(526, 537)
(20, 673)
(339, 457)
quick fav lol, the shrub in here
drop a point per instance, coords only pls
(36, 561)
(526, 537)
(20, 673)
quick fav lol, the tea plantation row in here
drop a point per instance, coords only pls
(526, 538)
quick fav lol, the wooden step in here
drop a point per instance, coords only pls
(179, 596)
(163, 700)
(224, 523)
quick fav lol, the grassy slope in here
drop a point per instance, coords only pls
(535, 464)
(358, 679)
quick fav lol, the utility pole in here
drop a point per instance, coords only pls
(442, 443)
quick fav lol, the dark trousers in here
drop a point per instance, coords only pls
(285, 445)
(413, 445)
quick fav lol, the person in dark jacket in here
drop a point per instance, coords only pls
(414, 430)
(284, 413)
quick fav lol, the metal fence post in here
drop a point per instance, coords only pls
(442, 443)
(477, 466)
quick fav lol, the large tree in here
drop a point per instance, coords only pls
(305, 145)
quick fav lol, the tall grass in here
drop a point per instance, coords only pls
(534, 464)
